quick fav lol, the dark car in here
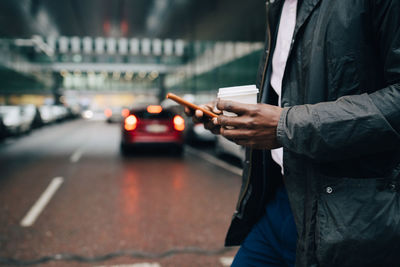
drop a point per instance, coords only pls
(153, 125)
(3, 129)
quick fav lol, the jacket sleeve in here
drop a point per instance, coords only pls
(358, 124)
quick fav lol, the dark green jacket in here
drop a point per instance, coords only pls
(340, 130)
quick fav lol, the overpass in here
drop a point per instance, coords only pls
(109, 46)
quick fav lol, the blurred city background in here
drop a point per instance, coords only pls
(93, 160)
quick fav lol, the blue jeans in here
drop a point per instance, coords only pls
(272, 241)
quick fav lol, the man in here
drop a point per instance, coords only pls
(338, 122)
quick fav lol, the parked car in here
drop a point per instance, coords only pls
(152, 125)
(53, 113)
(196, 133)
(33, 115)
(15, 120)
(59, 112)
(47, 115)
(225, 147)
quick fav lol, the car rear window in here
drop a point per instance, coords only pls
(146, 115)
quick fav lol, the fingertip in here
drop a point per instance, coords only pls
(215, 121)
(199, 113)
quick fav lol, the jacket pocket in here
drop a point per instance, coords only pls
(358, 222)
(343, 78)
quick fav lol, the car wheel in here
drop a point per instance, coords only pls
(178, 150)
(123, 149)
(190, 138)
(218, 150)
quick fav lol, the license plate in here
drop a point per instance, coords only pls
(156, 128)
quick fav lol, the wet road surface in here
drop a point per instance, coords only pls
(150, 201)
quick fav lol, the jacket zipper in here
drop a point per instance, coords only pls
(259, 99)
(268, 51)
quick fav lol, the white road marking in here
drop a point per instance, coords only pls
(145, 264)
(226, 261)
(77, 155)
(215, 161)
(41, 203)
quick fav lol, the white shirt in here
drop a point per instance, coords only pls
(279, 59)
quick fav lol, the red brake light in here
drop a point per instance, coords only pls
(130, 123)
(125, 112)
(154, 109)
(108, 112)
(179, 123)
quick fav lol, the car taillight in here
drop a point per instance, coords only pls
(130, 123)
(108, 112)
(179, 123)
(125, 112)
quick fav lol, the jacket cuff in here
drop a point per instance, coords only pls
(280, 129)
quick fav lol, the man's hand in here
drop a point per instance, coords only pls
(199, 117)
(255, 126)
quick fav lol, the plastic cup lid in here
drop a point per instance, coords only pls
(238, 90)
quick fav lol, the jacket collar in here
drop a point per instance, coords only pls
(275, 9)
(305, 9)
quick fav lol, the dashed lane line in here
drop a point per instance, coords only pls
(76, 156)
(41, 203)
(215, 161)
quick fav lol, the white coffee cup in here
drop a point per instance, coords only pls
(244, 94)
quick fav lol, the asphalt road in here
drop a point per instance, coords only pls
(65, 189)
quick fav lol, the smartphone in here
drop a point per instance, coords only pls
(183, 102)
